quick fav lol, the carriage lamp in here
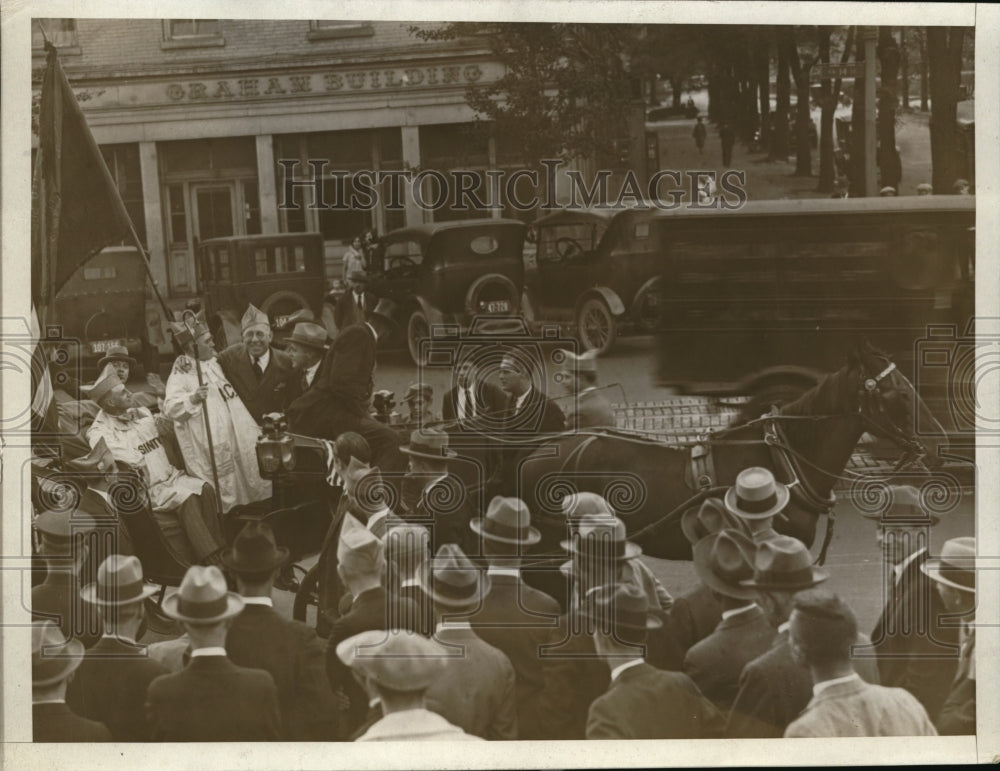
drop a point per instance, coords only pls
(383, 401)
(275, 447)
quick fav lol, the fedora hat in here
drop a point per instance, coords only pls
(116, 353)
(309, 334)
(254, 317)
(397, 659)
(428, 443)
(203, 598)
(784, 563)
(419, 389)
(105, 384)
(622, 605)
(956, 567)
(119, 582)
(723, 559)
(709, 518)
(451, 578)
(507, 520)
(904, 509)
(756, 494)
(98, 460)
(601, 536)
(254, 550)
(575, 505)
(53, 659)
(61, 525)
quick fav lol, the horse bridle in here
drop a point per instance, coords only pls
(871, 392)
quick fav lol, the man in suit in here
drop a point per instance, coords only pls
(211, 699)
(757, 498)
(471, 397)
(527, 409)
(260, 638)
(821, 633)
(954, 576)
(398, 667)
(514, 617)
(642, 702)
(915, 650)
(361, 565)
(53, 662)
(775, 688)
(419, 401)
(306, 347)
(588, 407)
(110, 686)
(407, 548)
(354, 305)
(476, 689)
(722, 560)
(257, 371)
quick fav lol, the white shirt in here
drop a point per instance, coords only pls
(213, 650)
(898, 569)
(414, 724)
(521, 400)
(466, 403)
(310, 373)
(818, 688)
(736, 611)
(263, 360)
(259, 601)
(622, 667)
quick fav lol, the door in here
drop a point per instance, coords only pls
(197, 211)
(214, 213)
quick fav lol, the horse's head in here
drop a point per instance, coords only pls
(891, 408)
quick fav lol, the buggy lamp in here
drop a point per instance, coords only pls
(275, 447)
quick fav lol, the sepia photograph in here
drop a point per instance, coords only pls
(560, 375)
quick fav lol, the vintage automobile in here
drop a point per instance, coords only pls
(449, 273)
(597, 272)
(279, 273)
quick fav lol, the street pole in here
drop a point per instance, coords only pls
(869, 36)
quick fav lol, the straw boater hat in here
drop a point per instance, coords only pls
(507, 520)
(119, 582)
(622, 605)
(254, 317)
(116, 353)
(254, 550)
(724, 559)
(956, 566)
(203, 598)
(53, 659)
(784, 563)
(709, 518)
(105, 384)
(756, 494)
(310, 334)
(904, 509)
(451, 579)
(429, 443)
(399, 660)
(600, 536)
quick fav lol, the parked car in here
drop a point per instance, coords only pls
(279, 273)
(449, 273)
(597, 272)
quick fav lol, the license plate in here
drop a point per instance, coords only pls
(498, 306)
(103, 346)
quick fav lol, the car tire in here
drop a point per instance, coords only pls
(307, 594)
(417, 329)
(596, 328)
(284, 296)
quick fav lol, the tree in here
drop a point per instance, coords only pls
(674, 52)
(890, 166)
(799, 64)
(830, 90)
(779, 138)
(944, 60)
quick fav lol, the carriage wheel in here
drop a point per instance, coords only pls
(418, 329)
(596, 327)
(308, 594)
(157, 621)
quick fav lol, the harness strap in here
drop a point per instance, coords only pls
(702, 466)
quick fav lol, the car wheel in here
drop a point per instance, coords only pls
(416, 330)
(306, 595)
(596, 328)
(284, 302)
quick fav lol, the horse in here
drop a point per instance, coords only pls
(806, 443)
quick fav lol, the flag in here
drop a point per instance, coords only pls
(44, 415)
(75, 206)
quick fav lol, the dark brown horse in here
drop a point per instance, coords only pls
(806, 443)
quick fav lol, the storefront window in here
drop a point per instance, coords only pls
(123, 163)
(453, 147)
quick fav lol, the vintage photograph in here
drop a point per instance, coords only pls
(498, 380)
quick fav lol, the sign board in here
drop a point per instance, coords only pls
(824, 70)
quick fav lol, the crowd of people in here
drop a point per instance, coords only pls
(431, 624)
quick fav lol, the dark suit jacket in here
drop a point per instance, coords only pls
(271, 393)
(57, 723)
(347, 312)
(291, 652)
(715, 663)
(695, 616)
(110, 687)
(349, 367)
(648, 703)
(213, 700)
(958, 714)
(57, 599)
(490, 400)
(446, 510)
(518, 619)
(538, 414)
(915, 650)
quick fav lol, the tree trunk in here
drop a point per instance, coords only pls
(890, 168)
(763, 68)
(779, 140)
(827, 168)
(676, 86)
(904, 68)
(924, 90)
(803, 118)
(944, 60)
(713, 94)
(857, 181)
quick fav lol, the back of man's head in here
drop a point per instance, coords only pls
(352, 445)
(823, 628)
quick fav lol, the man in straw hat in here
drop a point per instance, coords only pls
(211, 699)
(587, 406)
(641, 702)
(757, 498)
(184, 505)
(199, 388)
(53, 662)
(775, 688)
(259, 372)
(822, 631)
(916, 649)
(398, 667)
(744, 632)
(110, 685)
(261, 638)
(514, 617)
(954, 576)
(475, 691)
